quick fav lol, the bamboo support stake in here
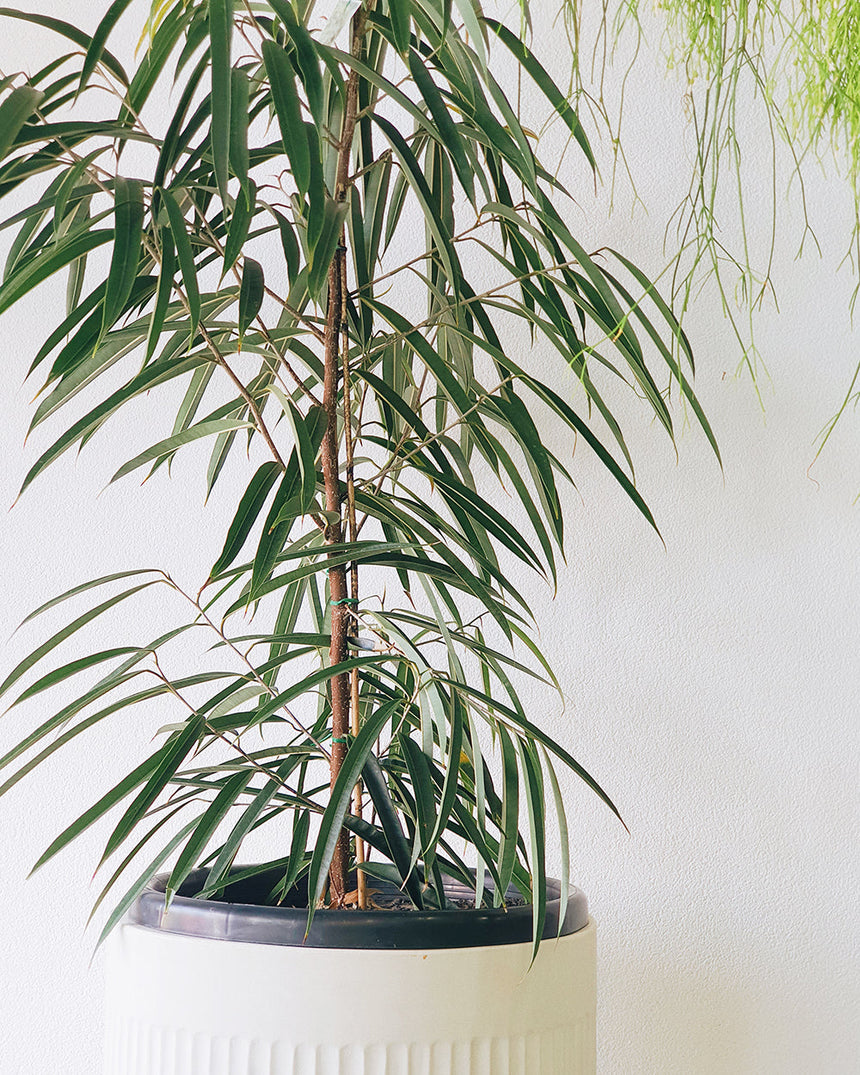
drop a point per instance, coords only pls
(335, 326)
(355, 722)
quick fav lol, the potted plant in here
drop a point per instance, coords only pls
(325, 255)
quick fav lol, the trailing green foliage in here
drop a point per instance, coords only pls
(770, 90)
(327, 252)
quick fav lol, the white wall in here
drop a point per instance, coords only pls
(713, 684)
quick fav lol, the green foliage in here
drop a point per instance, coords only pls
(790, 68)
(325, 252)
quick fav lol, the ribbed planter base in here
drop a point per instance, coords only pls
(191, 1005)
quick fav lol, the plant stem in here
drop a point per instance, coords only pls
(338, 651)
(355, 723)
(338, 594)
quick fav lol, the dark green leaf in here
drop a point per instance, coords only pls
(250, 294)
(561, 105)
(107, 802)
(377, 789)
(239, 104)
(15, 110)
(168, 759)
(306, 58)
(339, 800)
(169, 445)
(322, 252)
(66, 632)
(162, 294)
(128, 233)
(288, 110)
(97, 43)
(249, 508)
(211, 818)
(185, 256)
(220, 34)
(57, 256)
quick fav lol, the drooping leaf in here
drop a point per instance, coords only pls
(288, 111)
(338, 804)
(240, 86)
(249, 509)
(96, 48)
(185, 256)
(251, 294)
(220, 36)
(169, 445)
(15, 110)
(128, 233)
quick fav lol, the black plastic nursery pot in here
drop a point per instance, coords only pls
(241, 915)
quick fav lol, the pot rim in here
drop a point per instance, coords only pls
(371, 929)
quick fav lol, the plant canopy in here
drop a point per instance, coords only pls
(316, 259)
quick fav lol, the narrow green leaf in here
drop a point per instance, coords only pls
(72, 669)
(288, 111)
(398, 847)
(289, 244)
(240, 88)
(533, 732)
(185, 256)
(84, 587)
(509, 822)
(154, 374)
(561, 105)
(133, 854)
(452, 769)
(66, 632)
(447, 130)
(276, 529)
(533, 781)
(425, 800)
(99, 38)
(119, 912)
(239, 227)
(244, 825)
(169, 758)
(15, 110)
(473, 20)
(55, 257)
(322, 252)
(169, 445)
(307, 60)
(339, 800)
(249, 508)
(209, 821)
(220, 35)
(250, 294)
(163, 293)
(400, 13)
(418, 183)
(128, 233)
(107, 802)
(564, 837)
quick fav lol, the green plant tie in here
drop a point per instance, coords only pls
(346, 601)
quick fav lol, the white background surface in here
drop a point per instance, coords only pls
(713, 684)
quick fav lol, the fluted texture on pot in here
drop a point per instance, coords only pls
(137, 1049)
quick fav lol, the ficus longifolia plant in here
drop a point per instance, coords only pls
(316, 256)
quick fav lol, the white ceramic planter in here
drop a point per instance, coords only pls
(191, 1005)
